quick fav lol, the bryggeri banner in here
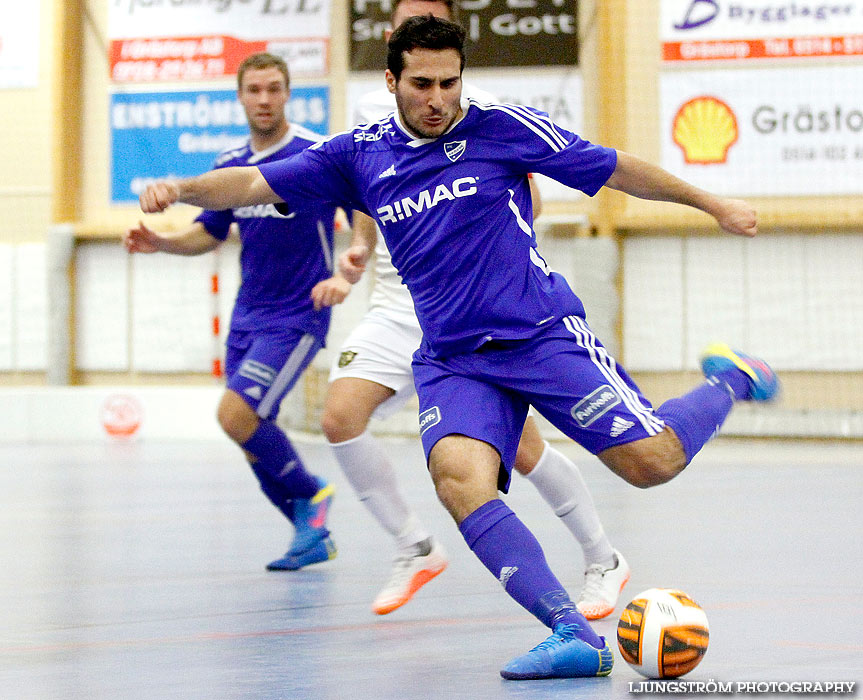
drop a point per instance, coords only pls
(722, 30)
(500, 32)
(174, 40)
(765, 132)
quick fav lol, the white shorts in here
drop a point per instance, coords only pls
(380, 349)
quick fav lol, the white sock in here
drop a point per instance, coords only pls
(371, 474)
(561, 484)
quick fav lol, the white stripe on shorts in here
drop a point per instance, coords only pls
(286, 374)
(607, 365)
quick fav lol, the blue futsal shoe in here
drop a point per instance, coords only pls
(310, 518)
(323, 550)
(719, 358)
(562, 655)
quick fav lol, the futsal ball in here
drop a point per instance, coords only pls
(663, 633)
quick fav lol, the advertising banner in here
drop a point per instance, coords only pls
(765, 132)
(500, 32)
(156, 135)
(19, 45)
(159, 41)
(721, 30)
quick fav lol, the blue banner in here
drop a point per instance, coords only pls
(155, 135)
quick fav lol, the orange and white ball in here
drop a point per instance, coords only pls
(663, 633)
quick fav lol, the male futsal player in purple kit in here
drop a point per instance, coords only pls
(501, 331)
(276, 326)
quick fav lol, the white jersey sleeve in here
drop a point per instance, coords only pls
(374, 106)
(389, 295)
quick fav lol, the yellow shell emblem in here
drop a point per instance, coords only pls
(705, 128)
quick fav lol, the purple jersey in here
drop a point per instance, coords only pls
(454, 213)
(283, 256)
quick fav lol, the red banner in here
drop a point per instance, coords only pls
(205, 57)
(737, 49)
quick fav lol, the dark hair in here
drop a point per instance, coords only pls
(258, 61)
(449, 4)
(423, 32)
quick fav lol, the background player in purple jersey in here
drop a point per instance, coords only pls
(501, 331)
(372, 376)
(281, 315)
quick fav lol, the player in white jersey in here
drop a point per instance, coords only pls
(372, 376)
(445, 179)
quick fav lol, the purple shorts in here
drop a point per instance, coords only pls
(565, 374)
(263, 367)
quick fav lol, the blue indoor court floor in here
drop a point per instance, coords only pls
(136, 571)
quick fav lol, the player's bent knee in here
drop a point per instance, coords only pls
(237, 418)
(647, 474)
(648, 462)
(340, 424)
(530, 448)
(465, 474)
(460, 497)
(450, 493)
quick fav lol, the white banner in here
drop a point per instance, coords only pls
(765, 132)
(159, 41)
(558, 92)
(698, 30)
(19, 44)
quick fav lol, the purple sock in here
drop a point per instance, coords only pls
(277, 459)
(736, 382)
(697, 416)
(510, 551)
(274, 491)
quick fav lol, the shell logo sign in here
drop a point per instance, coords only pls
(705, 128)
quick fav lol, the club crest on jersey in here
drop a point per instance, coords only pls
(454, 149)
(346, 358)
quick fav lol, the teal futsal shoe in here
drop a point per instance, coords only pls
(719, 358)
(323, 550)
(562, 655)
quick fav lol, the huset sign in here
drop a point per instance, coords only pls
(500, 32)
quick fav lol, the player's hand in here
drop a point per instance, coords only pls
(141, 240)
(352, 263)
(737, 217)
(330, 292)
(159, 196)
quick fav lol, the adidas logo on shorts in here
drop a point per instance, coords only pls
(254, 392)
(619, 426)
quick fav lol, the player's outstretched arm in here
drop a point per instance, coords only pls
(192, 241)
(225, 188)
(646, 181)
